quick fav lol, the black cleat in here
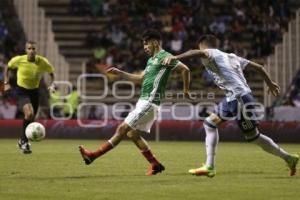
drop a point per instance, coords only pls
(24, 147)
(154, 169)
(86, 155)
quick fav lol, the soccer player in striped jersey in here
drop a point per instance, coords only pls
(227, 72)
(139, 121)
(30, 68)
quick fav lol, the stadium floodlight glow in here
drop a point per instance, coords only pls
(81, 81)
(60, 105)
(190, 109)
(132, 90)
(116, 110)
(70, 88)
(93, 123)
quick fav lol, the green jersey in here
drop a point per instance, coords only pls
(156, 77)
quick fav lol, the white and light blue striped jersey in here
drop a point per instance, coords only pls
(227, 72)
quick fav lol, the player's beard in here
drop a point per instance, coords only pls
(31, 57)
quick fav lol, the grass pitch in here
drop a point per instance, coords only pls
(55, 170)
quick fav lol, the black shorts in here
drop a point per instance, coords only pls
(26, 96)
(234, 110)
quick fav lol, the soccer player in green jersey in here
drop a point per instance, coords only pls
(30, 68)
(140, 120)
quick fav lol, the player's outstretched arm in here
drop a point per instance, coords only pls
(273, 87)
(52, 86)
(186, 77)
(6, 78)
(125, 75)
(188, 54)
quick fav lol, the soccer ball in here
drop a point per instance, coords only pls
(35, 132)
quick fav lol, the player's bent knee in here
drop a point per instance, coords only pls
(123, 129)
(212, 121)
(28, 112)
(132, 134)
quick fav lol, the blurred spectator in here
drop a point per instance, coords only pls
(236, 29)
(227, 46)
(105, 8)
(3, 34)
(218, 28)
(95, 113)
(94, 7)
(269, 113)
(296, 100)
(92, 112)
(78, 7)
(7, 110)
(125, 112)
(99, 53)
(264, 22)
(71, 104)
(92, 38)
(239, 12)
(176, 44)
(55, 103)
(294, 95)
(44, 109)
(117, 35)
(2, 64)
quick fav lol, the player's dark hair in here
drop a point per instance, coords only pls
(151, 34)
(209, 39)
(30, 42)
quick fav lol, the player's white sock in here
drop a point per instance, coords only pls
(270, 146)
(211, 141)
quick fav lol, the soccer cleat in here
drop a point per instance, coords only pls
(24, 147)
(86, 155)
(203, 171)
(154, 169)
(292, 162)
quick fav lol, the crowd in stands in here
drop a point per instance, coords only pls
(292, 95)
(11, 44)
(248, 28)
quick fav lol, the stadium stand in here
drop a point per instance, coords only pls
(89, 38)
(108, 36)
(12, 39)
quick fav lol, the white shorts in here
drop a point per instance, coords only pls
(143, 116)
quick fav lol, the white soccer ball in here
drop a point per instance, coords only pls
(35, 132)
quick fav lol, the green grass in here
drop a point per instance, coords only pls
(55, 170)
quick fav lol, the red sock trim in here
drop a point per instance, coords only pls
(104, 148)
(150, 157)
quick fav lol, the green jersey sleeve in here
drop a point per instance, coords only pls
(173, 64)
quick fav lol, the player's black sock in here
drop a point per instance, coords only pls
(25, 124)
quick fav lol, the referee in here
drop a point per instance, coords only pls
(30, 68)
